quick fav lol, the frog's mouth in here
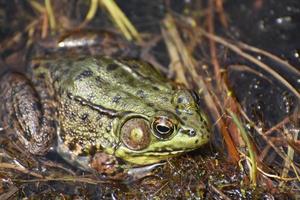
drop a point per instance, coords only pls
(164, 153)
(150, 157)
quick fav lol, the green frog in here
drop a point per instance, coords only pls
(100, 114)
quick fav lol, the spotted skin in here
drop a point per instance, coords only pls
(79, 106)
(30, 112)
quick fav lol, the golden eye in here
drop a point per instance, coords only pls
(135, 134)
(163, 128)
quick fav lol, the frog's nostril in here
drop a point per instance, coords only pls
(188, 131)
(192, 133)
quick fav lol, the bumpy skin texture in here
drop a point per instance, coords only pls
(28, 118)
(123, 109)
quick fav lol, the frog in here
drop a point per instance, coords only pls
(114, 117)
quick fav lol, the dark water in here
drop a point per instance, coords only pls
(274, 27)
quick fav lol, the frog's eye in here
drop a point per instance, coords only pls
(135, 134)
(163, 128)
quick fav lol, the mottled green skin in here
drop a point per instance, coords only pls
(93, 97)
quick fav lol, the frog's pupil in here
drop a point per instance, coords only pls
(162, 129)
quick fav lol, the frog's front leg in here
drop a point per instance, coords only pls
(111, 167)
(25, 115)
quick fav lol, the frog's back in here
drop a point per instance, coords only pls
(122, 85)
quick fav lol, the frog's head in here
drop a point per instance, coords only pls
(150, 139)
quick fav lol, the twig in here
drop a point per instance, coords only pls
(50, 14)
(253, 169)
(212, 44)
(267, 54)
(9, 194)
(92, 11)
(18, 168)
(288, 160)
(220, 11)
(120, 19)
(164, 185)
(171, 35)
(67, 179)
(272, 175)
(277, 126)
(222, 195)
